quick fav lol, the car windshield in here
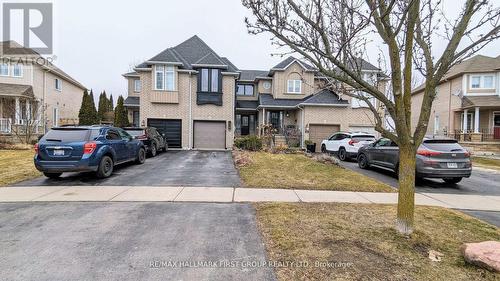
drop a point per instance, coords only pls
(135, 133)
(364, 138)
(442, 145)
(67, 135)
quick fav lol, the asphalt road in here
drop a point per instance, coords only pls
(482, 182)
(129, 241)
(173, 168)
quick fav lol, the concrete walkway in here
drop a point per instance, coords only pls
(229, 194)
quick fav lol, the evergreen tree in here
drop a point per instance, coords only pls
(93, 117)
(121, 118)
(83, 113)
(111, 103)
(103, 106)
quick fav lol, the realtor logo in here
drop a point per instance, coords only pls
(30, 25)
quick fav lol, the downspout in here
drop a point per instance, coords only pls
(190, 112)
(450, 129)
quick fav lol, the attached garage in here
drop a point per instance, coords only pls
(209, 135)
(172, 128)
(320, 132)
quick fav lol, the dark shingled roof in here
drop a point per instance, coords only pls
(268, 100)
(131, 101)
(15, 90)
(289, 60)
(250, 75)
(325, 97)
(247, 104)
(482, 101)
(192, 51)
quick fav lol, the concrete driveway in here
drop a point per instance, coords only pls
(174, 168)
(129, 241)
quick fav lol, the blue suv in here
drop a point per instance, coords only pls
(86, 149)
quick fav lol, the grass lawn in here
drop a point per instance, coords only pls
(485, 162)
(363, 235)
(16, 165)
(297, 171)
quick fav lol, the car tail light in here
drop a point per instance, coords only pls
(427, 153)
(36, 148)
(467, 153)
(352, 142)
(89, 147)
(142, 137)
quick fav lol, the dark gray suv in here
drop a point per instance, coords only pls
(436, 158)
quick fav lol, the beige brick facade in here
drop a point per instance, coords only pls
(186, 87)
(66, 101)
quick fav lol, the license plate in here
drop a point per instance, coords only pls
(58, 152)
(452, 165)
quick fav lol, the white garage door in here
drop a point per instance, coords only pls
(364, 129)
(210, 134)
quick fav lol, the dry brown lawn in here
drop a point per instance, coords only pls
(16, 165)
(361, 236)
(485, 162)
(296, 171)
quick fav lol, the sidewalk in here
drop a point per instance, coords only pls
(229, 194)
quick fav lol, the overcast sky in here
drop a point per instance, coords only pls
(97, 41)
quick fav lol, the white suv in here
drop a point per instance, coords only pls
(346, 144)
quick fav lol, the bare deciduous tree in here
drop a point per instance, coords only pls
(333, 36)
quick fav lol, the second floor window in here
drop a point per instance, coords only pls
(4, 69)
(244, 90)
(58, 84)
(164, 78)
(17, 70)
(294, 86)
(137, 85)
(209, 80)
(482, 82)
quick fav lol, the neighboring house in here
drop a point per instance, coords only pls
(35, 94)
(201, 100)
(467, 104)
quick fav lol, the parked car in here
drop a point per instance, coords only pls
(152, 139)
(84, 149)
(436, 158)
(346, 144)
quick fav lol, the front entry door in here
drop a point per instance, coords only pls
(275, 119)
(245, 125)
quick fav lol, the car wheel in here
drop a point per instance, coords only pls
(52, 175)
(452, 180)
(342, 154)
(141, 156)
(105, 168)
(363, 162)
(153, 150)
(323, 148)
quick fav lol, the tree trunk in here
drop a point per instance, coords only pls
(406, 194)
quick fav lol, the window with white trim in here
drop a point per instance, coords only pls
(137, 85)
(164, 78)
(4, 69)
(371, 78)
(58, 84)
(17, 70)
(482, 81)
(294, 86)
